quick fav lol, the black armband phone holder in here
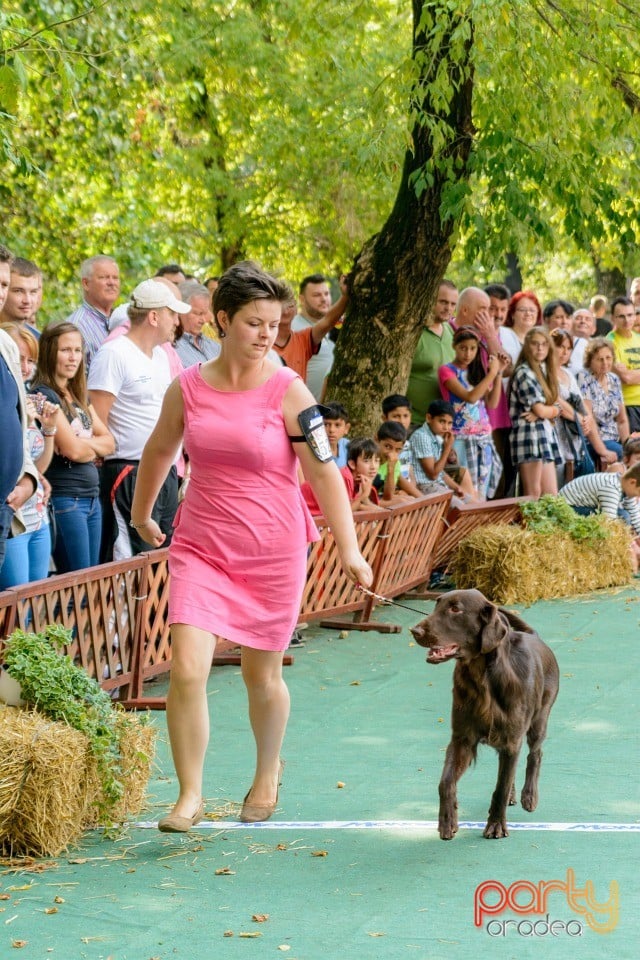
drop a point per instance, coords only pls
(314, 433)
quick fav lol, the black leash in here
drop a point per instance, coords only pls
(388, 600)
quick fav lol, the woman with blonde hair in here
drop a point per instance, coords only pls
(602, 388)
(575, 426)
(534, 405)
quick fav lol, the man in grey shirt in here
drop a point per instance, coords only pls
(193, 346)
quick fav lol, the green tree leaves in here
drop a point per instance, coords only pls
(212, 130)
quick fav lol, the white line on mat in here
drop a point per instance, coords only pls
(408, 825)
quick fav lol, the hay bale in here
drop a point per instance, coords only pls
(49, 786)
(43, 783)
(514, 565)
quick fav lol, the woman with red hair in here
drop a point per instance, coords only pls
(523, 314)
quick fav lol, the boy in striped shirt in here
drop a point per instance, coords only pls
(612, 495)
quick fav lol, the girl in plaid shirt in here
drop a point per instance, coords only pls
(534, 405)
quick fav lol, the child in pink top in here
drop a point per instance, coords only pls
(470, 391)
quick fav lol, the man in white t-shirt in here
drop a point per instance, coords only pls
(127, 382)
(583, 327)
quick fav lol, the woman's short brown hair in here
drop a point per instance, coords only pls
(592, 348)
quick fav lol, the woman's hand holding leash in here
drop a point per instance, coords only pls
(357, 569)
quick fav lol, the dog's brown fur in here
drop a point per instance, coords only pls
(504, 684)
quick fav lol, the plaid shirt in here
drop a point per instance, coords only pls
(530, 441)
(483, 463)
(424, 443)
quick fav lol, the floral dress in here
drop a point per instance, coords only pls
(606, 403)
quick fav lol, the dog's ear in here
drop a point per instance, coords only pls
(493, 628)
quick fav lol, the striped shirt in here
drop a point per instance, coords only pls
(603, 492)
(192, 349)
(93, 324)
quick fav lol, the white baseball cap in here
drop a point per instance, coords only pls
(151, 295)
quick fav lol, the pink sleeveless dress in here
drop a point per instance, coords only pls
(238, 556)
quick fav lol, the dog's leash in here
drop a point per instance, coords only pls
(388, 600)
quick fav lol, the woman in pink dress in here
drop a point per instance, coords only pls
(238, 556)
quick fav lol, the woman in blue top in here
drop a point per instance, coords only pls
(465, 385)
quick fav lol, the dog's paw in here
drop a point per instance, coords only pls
(512, 797)
(447, 828)
(529, 799)
(495, 830)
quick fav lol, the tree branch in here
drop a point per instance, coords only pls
(631, 98)
(53, 26)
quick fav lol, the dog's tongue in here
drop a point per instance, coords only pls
(438, 654)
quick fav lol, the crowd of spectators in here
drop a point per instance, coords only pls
(504, 396)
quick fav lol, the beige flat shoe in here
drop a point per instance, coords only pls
(256, 812)
(176, 824)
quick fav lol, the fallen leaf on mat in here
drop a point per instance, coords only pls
(19, 943)
(340, 784)
(281, 846)
(5, 896)
(319, 853)
(225, 872)
(228, 933)
(26, 886)
(248, 936)
(51, 910)
(260, 917)
(284, 946)
(58, 900)
(377, 934)
(354, 683)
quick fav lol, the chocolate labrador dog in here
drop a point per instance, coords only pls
(505, 682)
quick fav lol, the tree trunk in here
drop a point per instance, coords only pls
(204, 116)
(513, 278)
(396, 275)
(611, 283)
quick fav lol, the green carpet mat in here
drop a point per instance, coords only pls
(369, 714)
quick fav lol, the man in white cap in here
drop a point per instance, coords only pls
(127, 382)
